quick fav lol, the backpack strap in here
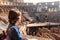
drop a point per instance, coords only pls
(8, 31)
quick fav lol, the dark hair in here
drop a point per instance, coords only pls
(13, 15)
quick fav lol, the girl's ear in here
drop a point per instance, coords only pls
(14, 21)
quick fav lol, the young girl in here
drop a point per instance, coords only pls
(13, 30)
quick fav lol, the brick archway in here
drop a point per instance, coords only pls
(1, 10)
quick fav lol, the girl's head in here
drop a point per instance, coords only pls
(14, 16)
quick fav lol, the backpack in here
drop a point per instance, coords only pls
(5, 37)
